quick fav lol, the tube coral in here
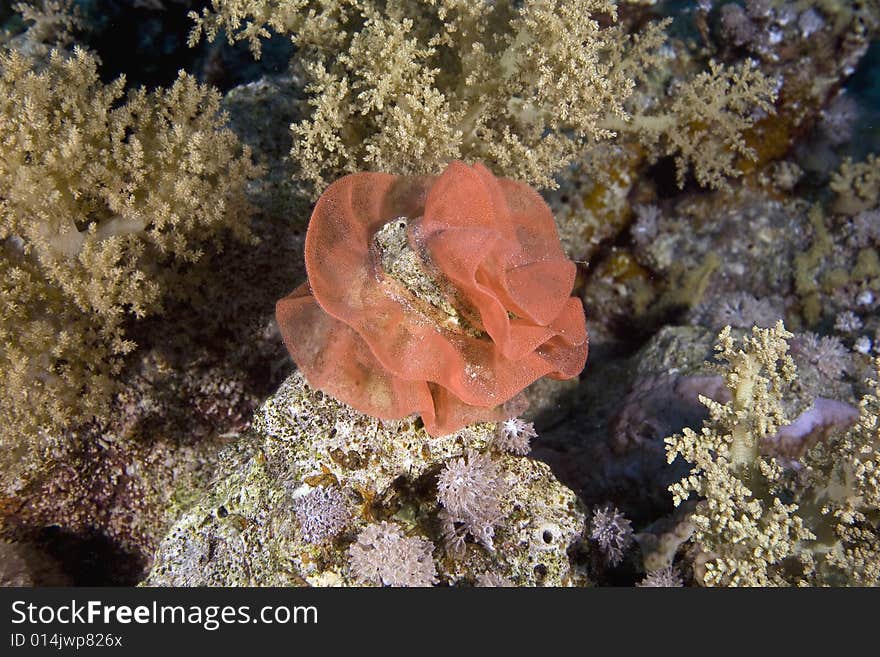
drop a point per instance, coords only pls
(443, 296)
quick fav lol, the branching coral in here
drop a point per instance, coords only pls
(757, 523)
(50, 23)
(857, 185)
(439, 296)
(842, 478)
(747, 537)
(526, 87)
(103, 202)
(703, 126)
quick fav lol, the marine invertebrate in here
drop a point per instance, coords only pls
(705, 124)
(527, 87)
(322, 513)
(612, 531)
(760, 520)
(514, 435)
(304, 440)
(470, 491)
(384, 555)
(745, 534)
(105, 200)
(668, 577)
(848, 490)
(443, 296)
(427, 82)
(826, 352)
(49, 23)
(857, 185)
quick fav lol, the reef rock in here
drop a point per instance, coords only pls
(297, 491)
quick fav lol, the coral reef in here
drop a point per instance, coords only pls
(392, 474)
(750, 536)
(526, 88)
(50, 24)
(706, 165)
(98, 496)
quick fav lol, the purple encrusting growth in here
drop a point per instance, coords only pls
(612, 531)
(823, 414)
(322, 514)
(384, 555)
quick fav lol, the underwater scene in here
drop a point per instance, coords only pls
(474, 293)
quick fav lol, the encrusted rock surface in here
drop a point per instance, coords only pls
(244, 531)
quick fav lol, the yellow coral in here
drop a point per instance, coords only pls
(857, 185)
(757, 523)
(104, 198)
(528, 88)
(742, 526)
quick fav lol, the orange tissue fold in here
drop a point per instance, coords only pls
(443, 296)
